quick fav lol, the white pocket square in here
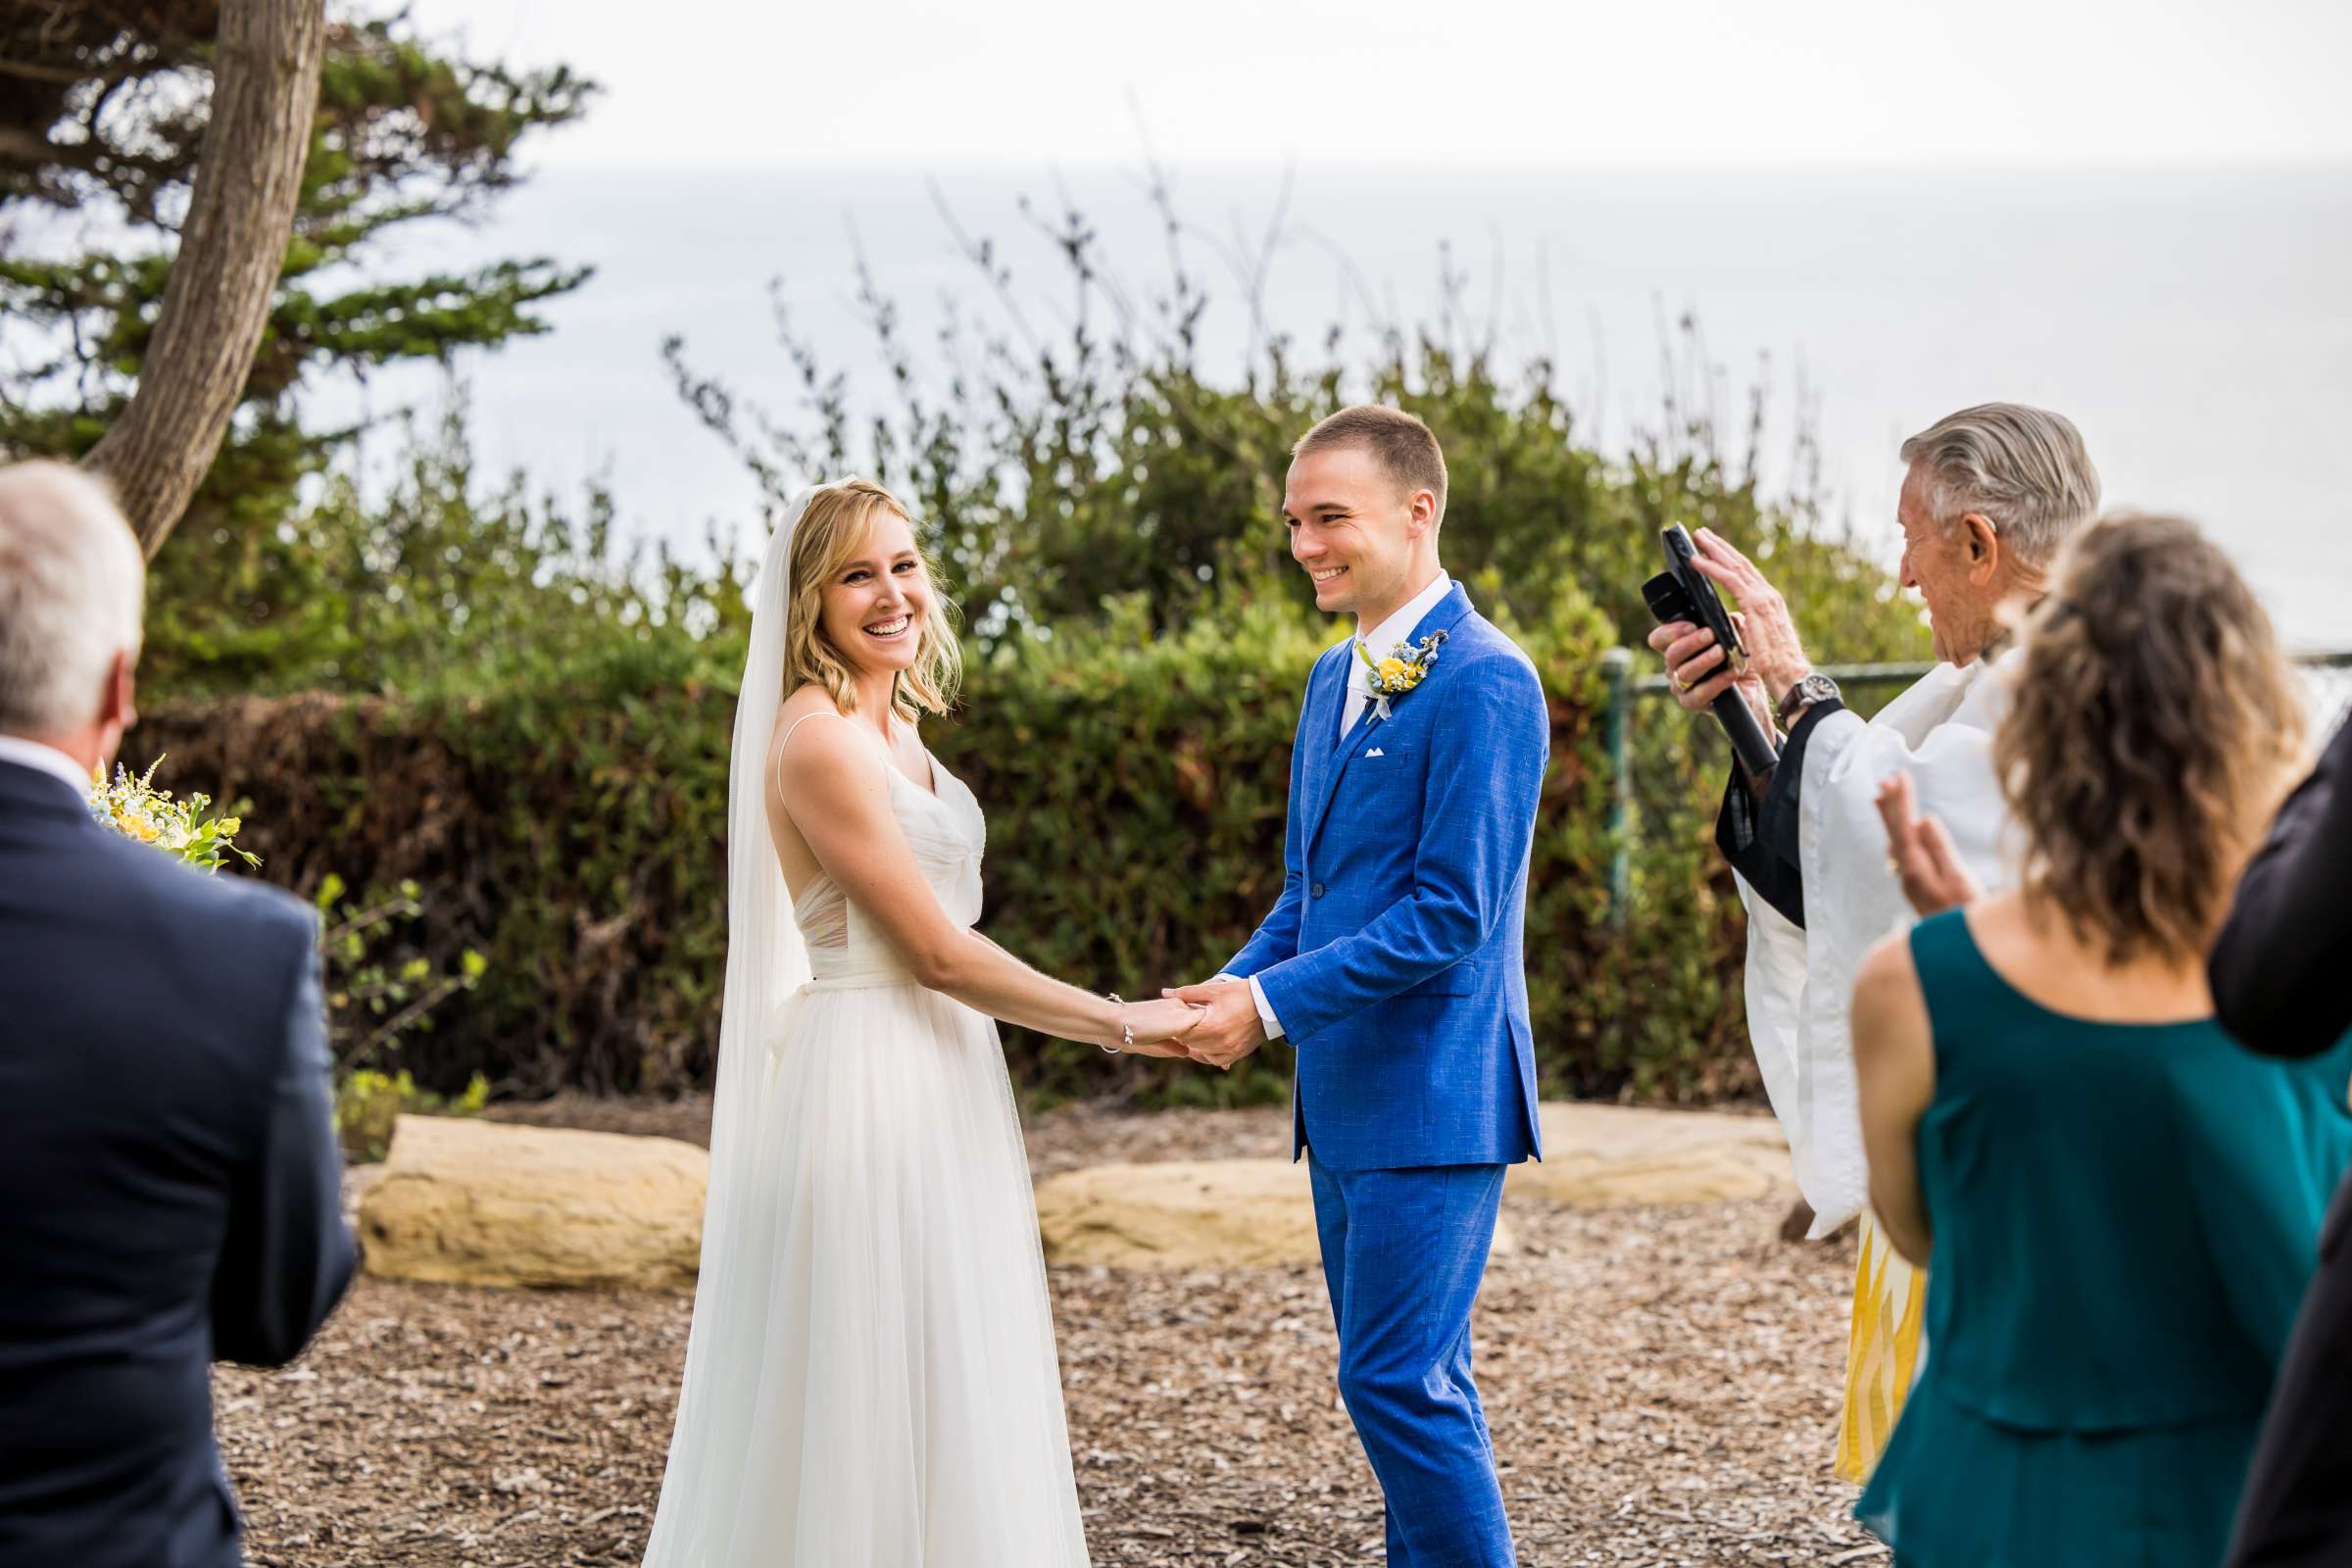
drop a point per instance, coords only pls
(1374, 752)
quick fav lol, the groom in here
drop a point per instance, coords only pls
(1392, 962)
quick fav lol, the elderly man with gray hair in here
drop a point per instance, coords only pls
(1990, 495)
(169, 1181)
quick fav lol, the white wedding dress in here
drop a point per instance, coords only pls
(870, 1379)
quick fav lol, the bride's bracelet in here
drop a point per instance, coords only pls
(1126, 1029)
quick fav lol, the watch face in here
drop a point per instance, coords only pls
(1805, 692)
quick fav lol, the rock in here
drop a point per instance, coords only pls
(465, 1202)
(1183, 1216)
(1612, 1156)
(358, 1182)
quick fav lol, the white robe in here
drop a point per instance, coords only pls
(1800, 982)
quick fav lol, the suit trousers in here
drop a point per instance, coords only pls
(2297, 1505)
(1403, 1252)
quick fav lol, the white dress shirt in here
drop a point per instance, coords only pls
(1378, 642)
(47, 760)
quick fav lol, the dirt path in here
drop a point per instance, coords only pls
(1661, 1386)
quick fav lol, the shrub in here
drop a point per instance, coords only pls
(368, 1103)
(370, 1004)
(574, 831)
(530, 721)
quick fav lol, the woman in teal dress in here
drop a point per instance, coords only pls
(2117, 1206)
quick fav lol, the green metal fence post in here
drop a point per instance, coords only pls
(1617, 665)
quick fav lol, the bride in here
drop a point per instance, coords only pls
(870, 1378)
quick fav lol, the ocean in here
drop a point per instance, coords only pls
(2194, 323)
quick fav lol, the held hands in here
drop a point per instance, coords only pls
(1920, 853)
(1229, 1030)
(1776, 659)
(1161, 1028)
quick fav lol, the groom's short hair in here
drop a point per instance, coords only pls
(1401, 444)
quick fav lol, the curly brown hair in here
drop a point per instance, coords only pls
(2154, 728)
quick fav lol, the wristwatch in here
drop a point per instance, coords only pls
(1803, 695)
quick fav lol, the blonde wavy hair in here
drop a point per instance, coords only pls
(831, 531)
(2154, 728)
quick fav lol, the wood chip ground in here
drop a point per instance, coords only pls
(1661, 1385)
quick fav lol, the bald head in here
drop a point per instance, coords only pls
(73, 586)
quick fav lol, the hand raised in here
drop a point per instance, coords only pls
(1231, 1028)
(1921, 854)
(1766, 628)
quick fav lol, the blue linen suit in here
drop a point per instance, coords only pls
(1394, 959)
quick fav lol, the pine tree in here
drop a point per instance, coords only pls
(103, 112)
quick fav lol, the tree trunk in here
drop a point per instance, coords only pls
(232, 249)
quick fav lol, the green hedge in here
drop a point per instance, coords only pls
(522, 704)
(572, 830)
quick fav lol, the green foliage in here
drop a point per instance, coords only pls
(1056, 476)
(108, 116)
(506, 706)
(570, 826)
(371, 1000)
(368, 1103)
(1135, 790)
(1100, 488)
(435, 582)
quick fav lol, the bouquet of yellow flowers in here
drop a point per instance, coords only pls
(135, 808)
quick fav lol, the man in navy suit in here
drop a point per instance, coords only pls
(1392, 962)
(168, 1173)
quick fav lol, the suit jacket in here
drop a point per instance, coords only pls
(1394, 956)
(170, 1182)
(2278, 967)
(2278, 974)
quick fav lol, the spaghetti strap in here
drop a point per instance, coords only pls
(822, 712)
(775, 776)
(776, 771)
(881, 753)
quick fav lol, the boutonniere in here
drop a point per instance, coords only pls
(1403, 670)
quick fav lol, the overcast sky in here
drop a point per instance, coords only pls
(1447, 82)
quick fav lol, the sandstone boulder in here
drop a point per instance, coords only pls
(1614, 1157)
(474, 1203)
(1178, 1215)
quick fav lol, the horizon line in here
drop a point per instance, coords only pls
(2338, 163)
